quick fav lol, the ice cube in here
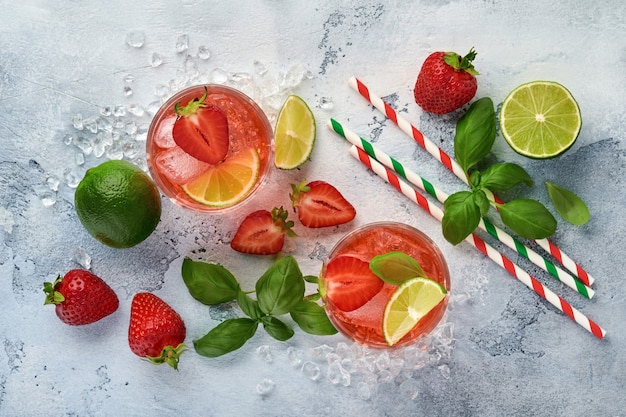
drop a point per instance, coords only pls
(178, 166)
(163, 136)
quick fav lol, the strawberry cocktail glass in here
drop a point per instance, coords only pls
(364, 323)
(209, 148)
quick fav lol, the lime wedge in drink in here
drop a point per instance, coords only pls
(408, 304)
(540, 119)
(228, 182)
(294, 135)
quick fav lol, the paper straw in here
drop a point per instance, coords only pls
(517, 272)
(453, 166)
(441, 196)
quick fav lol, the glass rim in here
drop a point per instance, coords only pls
(162, 184)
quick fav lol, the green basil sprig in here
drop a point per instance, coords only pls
(279, 291)
(474, 138)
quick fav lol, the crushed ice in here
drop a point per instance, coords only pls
(119, 132)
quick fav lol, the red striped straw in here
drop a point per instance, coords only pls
(392, 178)
(453, 166)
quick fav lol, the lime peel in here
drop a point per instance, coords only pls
(540, 119)
(408, 304)
(294, 135)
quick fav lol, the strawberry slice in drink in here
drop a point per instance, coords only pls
(349, 283)
(201, 130)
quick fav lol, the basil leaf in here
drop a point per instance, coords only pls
(475, 178)
(571, 207)
(461, 216)
(481, 201)
(312, 318)
(281, 287)
(276, 328)
(209, 283)
(226, 337)
(475, 133)
(395, 267)
(502, 177)
(249, 306)
(528, 218)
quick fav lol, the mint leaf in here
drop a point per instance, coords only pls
(475, 133)
(528, 218)
(226, 337)
(395, 267)
(502, 177)
(460, 218)
(249, 306)
(312, 318)
(209, 283)
(571, 207)
(281, 287)
(276, 328)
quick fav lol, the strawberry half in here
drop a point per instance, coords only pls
(263, 232)
(80, 297)
(349, 283)
(446, 82)
(319, 204)
(201, 130)
(156, 332)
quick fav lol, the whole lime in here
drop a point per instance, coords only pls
(118, 203)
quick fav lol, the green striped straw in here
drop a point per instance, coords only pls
(484, 224)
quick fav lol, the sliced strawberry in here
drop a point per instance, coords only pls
(262, 232)
(201, 130)
(349, 283)
(319, 204)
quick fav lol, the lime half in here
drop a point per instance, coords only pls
(408, 304)
(228, 182)
(540, 119)
(294, 135)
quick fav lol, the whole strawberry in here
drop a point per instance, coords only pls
(446, 82)
(156, 332)
(80, 297)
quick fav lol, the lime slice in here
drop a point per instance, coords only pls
(540, 119)
(228, 182)
(408, 304)
(294, 135)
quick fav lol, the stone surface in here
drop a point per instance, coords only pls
(79, 82)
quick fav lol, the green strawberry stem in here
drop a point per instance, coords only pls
(52, 296)
(192, 107)
(169, 355)
(279, 217)
(460, 63)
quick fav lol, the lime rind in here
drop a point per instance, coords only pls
(294, 136)
(540, 119)
(408, 304)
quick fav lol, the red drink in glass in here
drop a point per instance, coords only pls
(172, 168)
(365, 323)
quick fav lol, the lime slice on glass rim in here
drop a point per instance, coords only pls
(226, 183)
(294, 135)
(540, 119)
(411, 301)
